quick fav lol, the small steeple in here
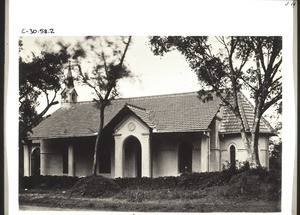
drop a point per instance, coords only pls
(69, 81)
(69, 94)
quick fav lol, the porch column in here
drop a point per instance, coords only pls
(26, 160)
(44, 151)
(146, 156)
(205, 152)
(118, 156)
(71, 162)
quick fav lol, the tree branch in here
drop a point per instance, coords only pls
(271, 102)
(260, 54)
(274, 87)
(275, 68)
(248, 84)
(120, 66)
(88, 83)
(49, 105)
(275, 51)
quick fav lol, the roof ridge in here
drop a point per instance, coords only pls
(149, 96)
(158, 96)
(135, 106)
(84, 102)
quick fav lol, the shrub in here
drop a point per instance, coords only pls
(147, 183)
(95, 186)
(47, 182)
(256, 183)
(204, 180)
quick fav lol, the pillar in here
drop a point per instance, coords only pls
(43, 157)
(26, 160)
(204, 153)
(118, 156)
(71, 161)
(146, 156)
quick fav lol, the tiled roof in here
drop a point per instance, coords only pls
(182, 112)
(230, 123)
(170, 113)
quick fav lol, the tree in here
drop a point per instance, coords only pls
(41, 74)
(228, 65)
(108, 70)
(276, 142)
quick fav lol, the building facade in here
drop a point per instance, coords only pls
(149, 136)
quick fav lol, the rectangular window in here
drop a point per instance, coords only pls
(65, 159)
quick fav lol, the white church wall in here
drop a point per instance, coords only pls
(166, 155)
(51, 158)
(83, 158)
(241, 153)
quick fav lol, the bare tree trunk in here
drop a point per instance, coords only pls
(98, 140)
(255, 138)
(247, 141)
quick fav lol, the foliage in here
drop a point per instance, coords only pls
(108, 56)
(48, 182)
(39, 75)
(275, 158)
(95, 186)
(243, 182)
(204, 180)
(238, 166)
(147, 183)
(247, 184)
(225, 66)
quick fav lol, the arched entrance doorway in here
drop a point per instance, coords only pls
(35, 162)
(133, 159)
(185, 151)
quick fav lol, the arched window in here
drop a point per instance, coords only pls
(185, 152)
(232, 155)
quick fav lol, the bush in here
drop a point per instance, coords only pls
(147, 183)
(204, 180)
(95, 186)
(257, 183)
(47, 182)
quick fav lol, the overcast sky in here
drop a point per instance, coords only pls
(153, 75)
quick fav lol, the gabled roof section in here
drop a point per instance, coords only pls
(143, 114)
(230, 123)
(182, 112)
(128, 109)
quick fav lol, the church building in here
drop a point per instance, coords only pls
(151, 136)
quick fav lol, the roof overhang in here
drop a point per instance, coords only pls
(61, 136)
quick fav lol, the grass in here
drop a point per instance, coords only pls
(176, 202)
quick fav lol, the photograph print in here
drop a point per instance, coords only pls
(150, 123)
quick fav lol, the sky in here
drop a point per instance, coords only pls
(153, 75)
